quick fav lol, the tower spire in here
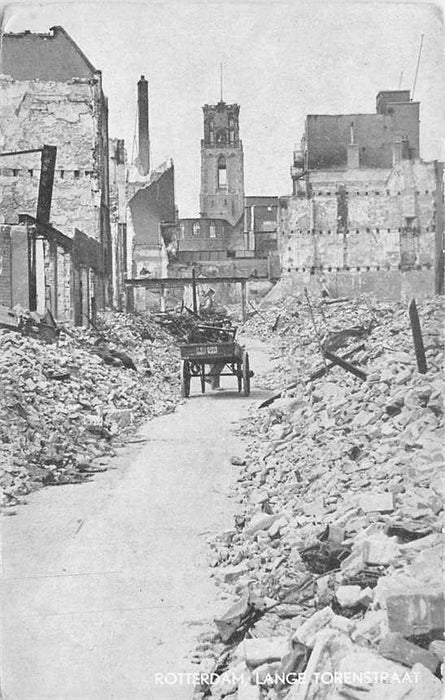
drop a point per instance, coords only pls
(221, 82)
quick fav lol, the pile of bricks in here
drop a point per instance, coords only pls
(65, 406)
(338, 536)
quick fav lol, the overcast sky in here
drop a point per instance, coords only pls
(282, 60)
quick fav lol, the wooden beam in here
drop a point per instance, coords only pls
(157, 282)
(417, 337)
(162, 299)
(315, 375)
(194, 295)
(243, 300)
(345, 365)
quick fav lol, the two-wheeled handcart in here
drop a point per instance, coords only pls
(223, 356)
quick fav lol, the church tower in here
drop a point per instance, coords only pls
(222, 170)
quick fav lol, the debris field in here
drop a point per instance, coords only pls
(65, 406)
(334, 561)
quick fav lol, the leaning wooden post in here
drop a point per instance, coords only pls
(243, 301)
(162, 298)
(195, 300)
(417, 337)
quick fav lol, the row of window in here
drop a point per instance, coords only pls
(196, 229)
(375, 192)
(367, 268)
(32, 172)
(413, 229)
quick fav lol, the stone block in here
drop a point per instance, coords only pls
(379, 550)
(231, 573)
(381, 502)
(307, 633)
(342, 624)
(348, 596)
(371, 629)
(381, 678)
(261, 521)
(416, 613)
(261, 650)
(330, 647)
(397, 648)
(426, 685)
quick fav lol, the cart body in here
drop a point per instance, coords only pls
(225, 358)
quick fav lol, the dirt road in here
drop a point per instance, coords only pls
(105, 584)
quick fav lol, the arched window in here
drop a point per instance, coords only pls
(222, 172)
(196, 228)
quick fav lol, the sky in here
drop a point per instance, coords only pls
(282, 60)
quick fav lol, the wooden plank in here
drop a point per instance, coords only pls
(243, 301)
(156, 282)
(345, 365)
(316, 375)
(194, 295)
(417, 337)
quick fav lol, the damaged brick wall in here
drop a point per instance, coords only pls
(66, 115)
(58, 274)
(51, 94)
(384, 223)
(118, 218)
(327, 136)
(5, 266)
(14, 266)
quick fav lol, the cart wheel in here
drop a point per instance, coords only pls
(185, 379)
(239, 376)
(246, 374)
(203, 378)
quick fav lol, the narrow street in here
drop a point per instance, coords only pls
(106, 583)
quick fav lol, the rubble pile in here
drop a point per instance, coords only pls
(64, 407)
(335, 557)
(188, 327)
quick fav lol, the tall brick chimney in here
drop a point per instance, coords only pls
(143, 130)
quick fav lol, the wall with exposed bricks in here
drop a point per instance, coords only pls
(5, 266)
(385, 223)
(66, 115)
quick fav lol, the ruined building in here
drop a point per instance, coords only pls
(52, 94)
(366, 213)
(151, 211)
(118, 219)
(231, 228)
(261, 224)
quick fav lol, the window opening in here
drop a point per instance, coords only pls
(222, 172)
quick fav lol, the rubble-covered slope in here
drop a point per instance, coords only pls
(64, 406)
(341, 505)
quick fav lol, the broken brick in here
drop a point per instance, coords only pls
(414, 614)
(395, 647)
